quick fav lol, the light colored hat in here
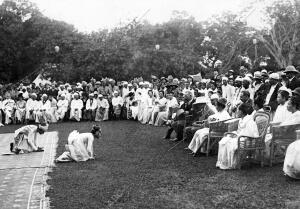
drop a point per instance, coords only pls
(63, 95)
(34, 94)
(238, 79)
(98, 83)
(246, 78)
(91, 95)
(44, 95)
(130, 84)
(116, 92)
(274, 76)
(257, 74)
(224, 78)
(264, 72)
(214, 96)
(125, 83)
(249, 75)
(100, 95)
(290, 69)
(76, 94)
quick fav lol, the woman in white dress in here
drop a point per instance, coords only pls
(201, 135)
(229, 144)
(80, 146)
(291, 166)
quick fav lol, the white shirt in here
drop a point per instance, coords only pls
(172, 103)
(292, 120)
(228, 92)
(63, 103)
(76, 104)
(46, 106)
(26, 130)
(117, 101)
(103, 103)
(270, 94)
(281, 113)
(92, 106)
(220, 116)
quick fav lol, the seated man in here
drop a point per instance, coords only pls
(209, 109)
(76, 108)
(90, 108)
(25, 139)
(8, 109)
(177, 124)
(201, 135)
(160, 105)
(162, 116)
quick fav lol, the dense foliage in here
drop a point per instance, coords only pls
(179, 47)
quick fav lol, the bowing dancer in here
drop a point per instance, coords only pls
(80, 146)
(25, 139)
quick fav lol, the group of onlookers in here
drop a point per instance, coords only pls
(224, 96)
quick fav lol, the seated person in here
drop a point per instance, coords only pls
(80, 146)
(209, 109)
(229, 144)
(282, 113)
(25, 138)
(162, 116)
(201, 135)
(177, 125)
(291, 166)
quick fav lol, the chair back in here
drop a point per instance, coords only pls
(287, 133)
(218, 128)
(262, 120)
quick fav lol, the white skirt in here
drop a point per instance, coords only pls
(291, 166)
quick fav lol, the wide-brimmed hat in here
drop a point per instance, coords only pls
(291, 69)
(297, 91)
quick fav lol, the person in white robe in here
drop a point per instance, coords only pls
(282, 113)
(8, 109)
(227, 158)
(91, 107)
(163, 116)
(80, 146)
(102, 109)
(25, 139)
(30, 111)
(159, 106)
(62, 107)
(44, 109)
(201, 135)
(53, 109)
(291, 166)
(227, 90)
(20, 109)
(149, 108)
(76, 108)
(117, 103)
(1, 109)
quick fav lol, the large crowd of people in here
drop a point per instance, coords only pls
(153, 102)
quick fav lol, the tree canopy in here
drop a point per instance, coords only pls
(178, 47)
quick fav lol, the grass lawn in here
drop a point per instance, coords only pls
(134, 170)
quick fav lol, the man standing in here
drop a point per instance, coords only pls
(227, 90)
(271, 98)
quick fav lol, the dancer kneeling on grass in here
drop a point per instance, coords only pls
(25, 139)
(80, 146)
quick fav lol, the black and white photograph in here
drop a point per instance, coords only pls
(149, 104)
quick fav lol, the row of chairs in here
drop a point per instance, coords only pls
(249, 149)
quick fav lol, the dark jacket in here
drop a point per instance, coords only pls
(187, 106)
(294, 83)
(262, 91)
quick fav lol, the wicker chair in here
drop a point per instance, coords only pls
(217, 131)
(282, 136)
(249, 146)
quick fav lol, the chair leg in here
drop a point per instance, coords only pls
(238, 160)
(271, 153)
(208, 146)
(262, 153)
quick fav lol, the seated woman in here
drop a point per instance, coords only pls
(25, 139)
(291, 165)
(229, 144)
(201, 135)
(80, 146)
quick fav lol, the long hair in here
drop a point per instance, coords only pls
(95, 129)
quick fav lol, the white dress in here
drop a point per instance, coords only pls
(291, 166)
(79, 147)
(228, 145)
